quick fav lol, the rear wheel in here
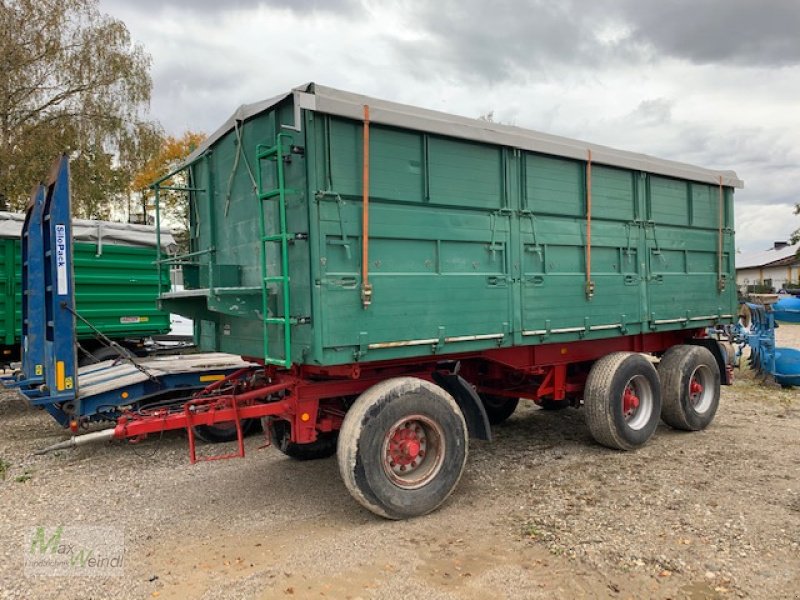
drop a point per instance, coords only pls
(690, 387)
(622, 400)
(402, 448)
(280, 434)
(498, 408)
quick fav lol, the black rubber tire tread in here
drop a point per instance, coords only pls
(361, 441)
(323, 447)
(553, 405)
(214, 434)
(498, 408)
(674, 370)
(604, 387)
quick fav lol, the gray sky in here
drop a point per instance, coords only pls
(714, 83)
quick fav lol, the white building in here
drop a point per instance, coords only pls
(775, 268)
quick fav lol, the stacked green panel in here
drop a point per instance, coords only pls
(471, 246)
(116, 290)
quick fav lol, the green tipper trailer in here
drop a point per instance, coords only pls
(405, 276)
(117, 284)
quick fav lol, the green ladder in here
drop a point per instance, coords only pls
(275, 153)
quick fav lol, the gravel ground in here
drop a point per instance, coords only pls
(541, 512)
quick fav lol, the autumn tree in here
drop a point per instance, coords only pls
(71, 81)
(173, 204)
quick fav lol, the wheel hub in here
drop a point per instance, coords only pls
(413, 451)
(406, 447)
(630, 402)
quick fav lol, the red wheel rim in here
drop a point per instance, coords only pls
(413, 451)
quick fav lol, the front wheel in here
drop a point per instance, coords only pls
(280, 434)
(224, 432)
(402, 448)
(622, 399)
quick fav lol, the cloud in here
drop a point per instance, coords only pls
(195, 7)
(713, 83)
(503, 39)
(740, 32)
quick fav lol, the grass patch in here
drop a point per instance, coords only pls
(27, 475)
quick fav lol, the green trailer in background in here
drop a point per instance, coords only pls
(117, 285)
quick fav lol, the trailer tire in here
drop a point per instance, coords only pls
(224, 432)
(690, 387)
(622, 399)
(498, 408)
(323, 447)
(402, 448)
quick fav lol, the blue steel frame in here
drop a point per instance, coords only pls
(60, 349)
(108, 405)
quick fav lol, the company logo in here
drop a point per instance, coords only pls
(74, 550)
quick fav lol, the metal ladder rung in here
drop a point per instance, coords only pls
(271, 151)
(275, 155)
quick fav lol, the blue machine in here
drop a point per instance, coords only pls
(49, 376)
(787, 309)
(765, 357)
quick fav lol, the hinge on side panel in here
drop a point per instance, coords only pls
(589, 290)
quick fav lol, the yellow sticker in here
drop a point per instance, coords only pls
(38, 369)
(68, 383)
(204, 378)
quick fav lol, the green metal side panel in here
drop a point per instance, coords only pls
(554, 261)
(439, 244)
(471, 246)
(116, 291)
(9, 283)
(224, 217)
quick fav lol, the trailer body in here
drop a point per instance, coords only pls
(403, 277)
(472, 244)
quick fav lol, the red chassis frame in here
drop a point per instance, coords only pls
(313, 399)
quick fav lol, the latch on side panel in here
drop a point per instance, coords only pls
(493, 245)
(535, 247)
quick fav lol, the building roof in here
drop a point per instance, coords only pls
(763, 258)
(331, 101)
